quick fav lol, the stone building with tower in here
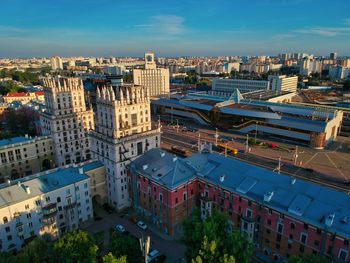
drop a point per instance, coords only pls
(123, 131)
(67, 119)
(156, 80)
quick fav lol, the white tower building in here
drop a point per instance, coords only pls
(122, 132)
(67, 119)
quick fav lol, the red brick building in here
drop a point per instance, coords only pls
(282, 216)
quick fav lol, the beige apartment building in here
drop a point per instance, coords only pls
(22, 156)
(67, 119)
(156, 80)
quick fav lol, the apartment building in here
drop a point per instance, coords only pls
(243, 85)
(24, 97)
(123, 131)
(283, 83)
(281, 215)
(47, 204)
(22, 156)
(67, 119)
(156, 80)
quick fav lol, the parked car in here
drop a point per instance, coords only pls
(120, 229)
(141, 225)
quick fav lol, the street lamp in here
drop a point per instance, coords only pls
(216, 136)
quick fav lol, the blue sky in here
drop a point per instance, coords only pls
(171, 28)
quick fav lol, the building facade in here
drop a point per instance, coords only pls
(122, 132)
(67, 119)
(283, 83)
(46, 205)
(281, 215)
(56, 63)
(243, 85)
(156, 80)
(24, 97)
(22, 156)
(338, 72)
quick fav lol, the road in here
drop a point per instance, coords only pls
(331, 170)
(174, 250)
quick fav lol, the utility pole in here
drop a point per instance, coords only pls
(145, 246)
(199, 142)
(172, 115)
(296, 155)
(216, 136)
(247, 144)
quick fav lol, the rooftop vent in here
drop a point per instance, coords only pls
(27, 189)
(344, 220)
(222, 178)
(81, 171)
(144, 167)
(19, 184)
(174, 159)
(162, 154)
(8, 181)
(329, 220)
(293, 180)
(268, 196)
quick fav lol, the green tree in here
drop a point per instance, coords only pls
(110, 258)
(309, 259)
(217, 232)
(121, 245)
(76, 246)
(9, 86)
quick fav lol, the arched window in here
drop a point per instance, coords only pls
(5, 220)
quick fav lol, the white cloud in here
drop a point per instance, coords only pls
(166, 25)
(325, 31)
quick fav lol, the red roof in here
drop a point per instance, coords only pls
(18, 94)
(39, 93)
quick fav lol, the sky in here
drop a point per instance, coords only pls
(42, 28)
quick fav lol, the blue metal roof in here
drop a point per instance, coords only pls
(309, 202)
(14, 140)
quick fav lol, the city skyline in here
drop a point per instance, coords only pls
(106, 28)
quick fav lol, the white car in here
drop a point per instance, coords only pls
(120, 228)
(141, 225)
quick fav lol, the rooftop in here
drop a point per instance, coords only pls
(42, 183)
(300, 199)
(20, 139)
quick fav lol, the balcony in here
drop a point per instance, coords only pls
(69, 206)
(49, 210)
(48, 221)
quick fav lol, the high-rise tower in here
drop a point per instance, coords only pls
(67, 119)
(122, 132)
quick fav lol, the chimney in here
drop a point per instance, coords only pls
(27, 189)
(329, 220)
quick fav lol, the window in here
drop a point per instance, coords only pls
(58, 199)
(176, 200)
(280, 228)
(38, 202)
(316, 243)
(249, 213)
(270, 211)
(7, 229)
(292, 226)
(306, 226)
(269, 221)
(303, 238)
(343, 254)
(5, 220)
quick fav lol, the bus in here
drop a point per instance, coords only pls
(179, 151)
(228, 148)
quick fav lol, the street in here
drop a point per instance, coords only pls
(174, 250)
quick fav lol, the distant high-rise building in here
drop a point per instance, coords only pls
(123, 131)
(56, 63)
(156, 80)
(346, 63)
(333, 55)
(338, 72)
(67, 119)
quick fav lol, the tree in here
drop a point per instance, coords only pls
(9, 87)
(37, 251)
(309, 259)
(218, 235)
(121, 245)
(76, 246)
(110, 258)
